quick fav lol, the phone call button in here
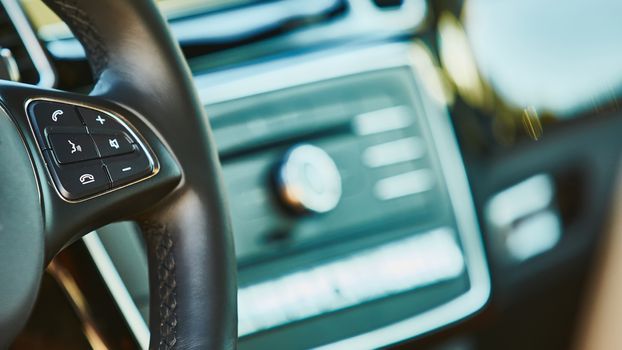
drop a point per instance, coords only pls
(46, 115)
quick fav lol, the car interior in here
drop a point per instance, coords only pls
(310, 174)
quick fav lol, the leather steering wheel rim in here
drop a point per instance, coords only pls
(138, 65)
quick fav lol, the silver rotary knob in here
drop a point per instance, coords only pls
(308, 180)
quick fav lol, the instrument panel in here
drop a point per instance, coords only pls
(351, 211)
(373, 216)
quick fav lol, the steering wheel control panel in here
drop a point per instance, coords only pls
(88, 152)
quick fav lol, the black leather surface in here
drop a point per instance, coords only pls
(192, 263)
(21, 232)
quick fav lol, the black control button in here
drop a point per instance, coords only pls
(96, 120)
(113, 143)
(72, 147)
(128, 168)
(46, 114)
(79, 180)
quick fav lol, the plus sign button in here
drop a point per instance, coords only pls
(95, 120)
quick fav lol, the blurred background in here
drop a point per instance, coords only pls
(401, 173)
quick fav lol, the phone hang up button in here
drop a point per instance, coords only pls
(79, 180)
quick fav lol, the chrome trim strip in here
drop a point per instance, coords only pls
(383, 120)
(117, 288)
(394, 152)
(404, 184)
(47, 77)
(520, 200)
(289, 72)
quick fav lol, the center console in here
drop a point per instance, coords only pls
(352, 216)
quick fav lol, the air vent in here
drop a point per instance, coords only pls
(17, 35)
(388, 4)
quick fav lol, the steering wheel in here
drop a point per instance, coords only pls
(143, 85)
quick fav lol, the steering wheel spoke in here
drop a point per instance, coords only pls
(97, 162)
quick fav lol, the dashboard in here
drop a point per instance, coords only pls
(361, 169)
(416, 251)
(287, 149)
(310, 142)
